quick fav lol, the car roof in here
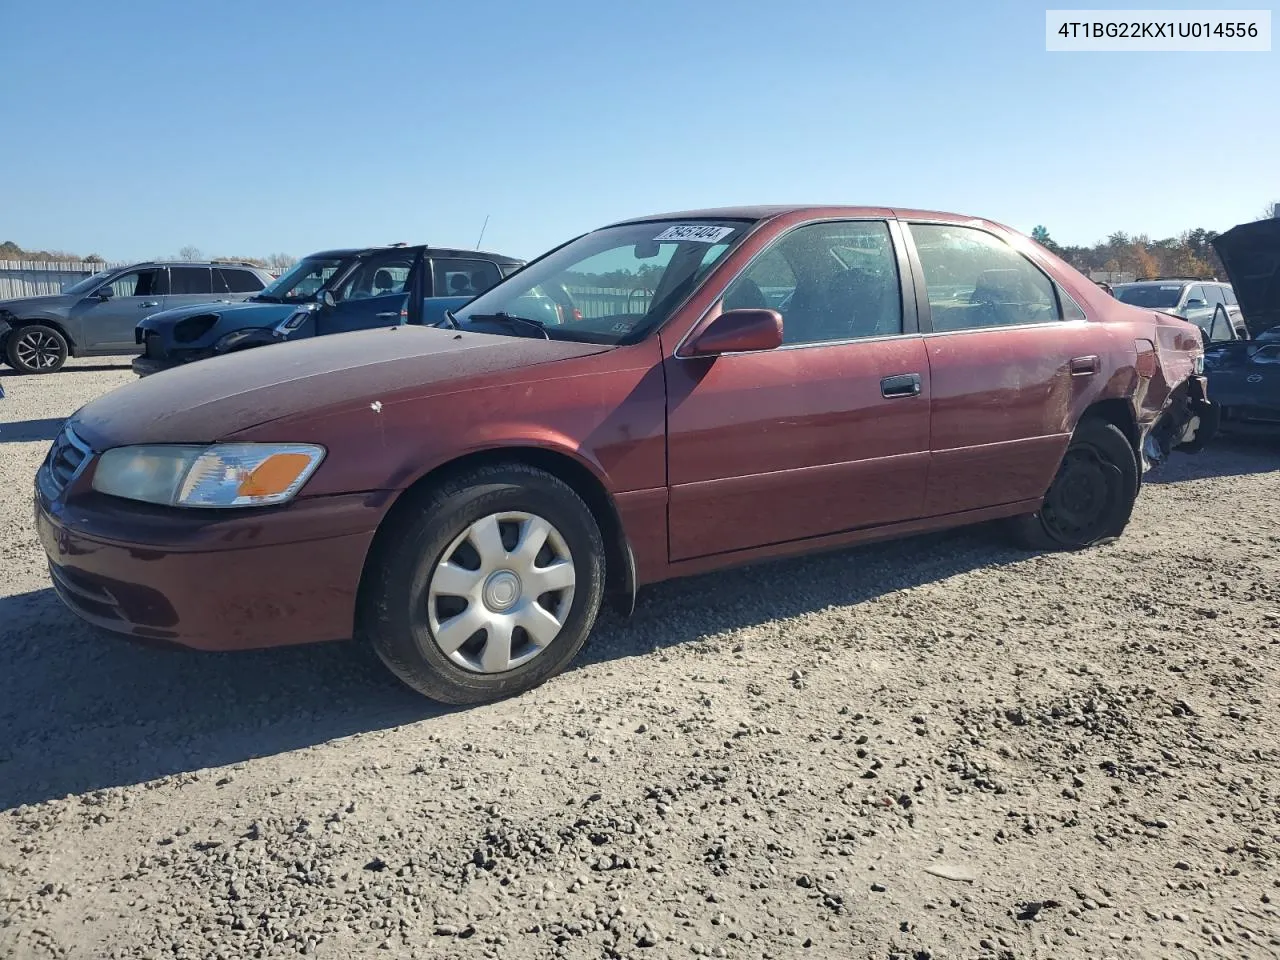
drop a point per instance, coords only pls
(187, 263)
(431, 252)
(769, 211)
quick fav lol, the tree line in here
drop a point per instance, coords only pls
(1189, 254)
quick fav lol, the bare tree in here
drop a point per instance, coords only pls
(189, 253)
(281, 261)
(1270, 211)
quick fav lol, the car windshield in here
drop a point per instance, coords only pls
(611, 286)
(303, 280)
(87, 284)
(1158, 295)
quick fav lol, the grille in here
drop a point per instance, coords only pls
(66, 457)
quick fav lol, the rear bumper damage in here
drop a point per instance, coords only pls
(1187, 423)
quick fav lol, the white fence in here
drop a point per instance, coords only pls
(34, 278)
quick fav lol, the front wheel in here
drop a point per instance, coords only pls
(1091, 498)
(485, 586)
(35, 348)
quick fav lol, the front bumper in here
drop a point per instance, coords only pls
(258, 579)
(145, 366)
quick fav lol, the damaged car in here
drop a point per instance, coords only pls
(465, 498)
(334, 291)
(1244, 375)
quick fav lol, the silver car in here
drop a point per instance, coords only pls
(1199, 301)
(96, 316)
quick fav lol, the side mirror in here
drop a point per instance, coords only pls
(104, 293)
(738, 330)
(326, 298)
(1196, 304)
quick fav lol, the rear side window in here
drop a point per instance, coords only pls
(186, 280)
(230, 280)
(975, 280)
(463, 278)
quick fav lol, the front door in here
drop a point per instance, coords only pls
(1008, 361)
(104, 321)
(373, 294)
(829, 432)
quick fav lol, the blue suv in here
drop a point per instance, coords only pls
(334, 291)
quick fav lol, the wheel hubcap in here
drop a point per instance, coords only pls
(1079, 505)
(499, 594)
(38, 350)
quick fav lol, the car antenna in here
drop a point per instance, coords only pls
(482, 230)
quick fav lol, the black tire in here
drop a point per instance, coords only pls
(392, 613)
(1091, 498)
(36, 348)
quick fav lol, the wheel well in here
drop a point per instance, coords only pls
(56, 325)
(620, 577)
(1118, 413)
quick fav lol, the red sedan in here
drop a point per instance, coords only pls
(733, 385)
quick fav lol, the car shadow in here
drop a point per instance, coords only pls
(84, 710)
(1232, 455)
(71, 368)
(25, 431)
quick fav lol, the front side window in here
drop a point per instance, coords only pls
(1214, 293)
(463, 278)
(611, 286)
(303, 280)
(1230, 294)
(975, 280)
(186, 280)
(830, 281)
(379, 275)
(138, 283)
(1195, 293)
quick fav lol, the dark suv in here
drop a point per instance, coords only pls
(96, 317)
(333, 291)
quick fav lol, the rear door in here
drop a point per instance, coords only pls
(827, 433)
(189, 286)
(1009, 357)
(105, 325)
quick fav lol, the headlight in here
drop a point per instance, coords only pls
(221, 475)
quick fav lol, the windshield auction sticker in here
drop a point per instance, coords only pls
(697, 232)
(1129, 31)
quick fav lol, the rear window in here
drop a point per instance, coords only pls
(186, 280)
(230, 280)
(1161, 296)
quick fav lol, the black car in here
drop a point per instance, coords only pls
(333, 291)
(1244, 375)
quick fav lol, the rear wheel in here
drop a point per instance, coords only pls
(485, 586)
(1091, 498)
(36, 348)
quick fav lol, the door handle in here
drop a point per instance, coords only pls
(387, 313)
(149, 303)
(1084, 366)
(903, 385)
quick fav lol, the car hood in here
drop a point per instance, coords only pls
(22, 304)
(243, 314)
(1251, 254)
(216, 398)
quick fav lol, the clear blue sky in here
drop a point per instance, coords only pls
(244, 128)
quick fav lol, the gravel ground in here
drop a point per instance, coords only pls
(934, 748)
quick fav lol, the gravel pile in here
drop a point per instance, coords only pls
(935, 748)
